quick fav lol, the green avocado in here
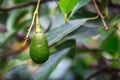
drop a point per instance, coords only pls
(39, 50)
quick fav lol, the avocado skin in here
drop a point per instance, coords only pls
(39, 50)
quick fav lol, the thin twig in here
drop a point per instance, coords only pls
(100, 14)
(14, 52)
(35, 15)
(95, 74)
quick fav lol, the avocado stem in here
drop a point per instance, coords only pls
(35, 15)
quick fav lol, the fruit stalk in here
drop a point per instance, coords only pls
(35, 15)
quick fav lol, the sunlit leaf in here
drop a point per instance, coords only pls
(67, 5)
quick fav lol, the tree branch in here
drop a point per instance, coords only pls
(22, 5)
(104, 70)
(100, 14)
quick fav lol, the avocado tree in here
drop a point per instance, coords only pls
(59, 39)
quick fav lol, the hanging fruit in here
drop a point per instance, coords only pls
(39, 49)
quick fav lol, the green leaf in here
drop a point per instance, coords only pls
(1, 1)
(116, 1)
(81, 65)
(58, 33)
(67, 44)
(22, 72)
(83, 13)
(104, 4)
(45, 22)
(12, 32)
(115, 64)
(83, 32)
(3, 17)
(56, 20)
(14, 17)
(12, 64)
(80, 4)
(47, 68)
(109, 42)
(44, 10)
(111, 45)
(13, 25)
(67, 5)
(23, 56)
(104, 35)
(115, 21)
